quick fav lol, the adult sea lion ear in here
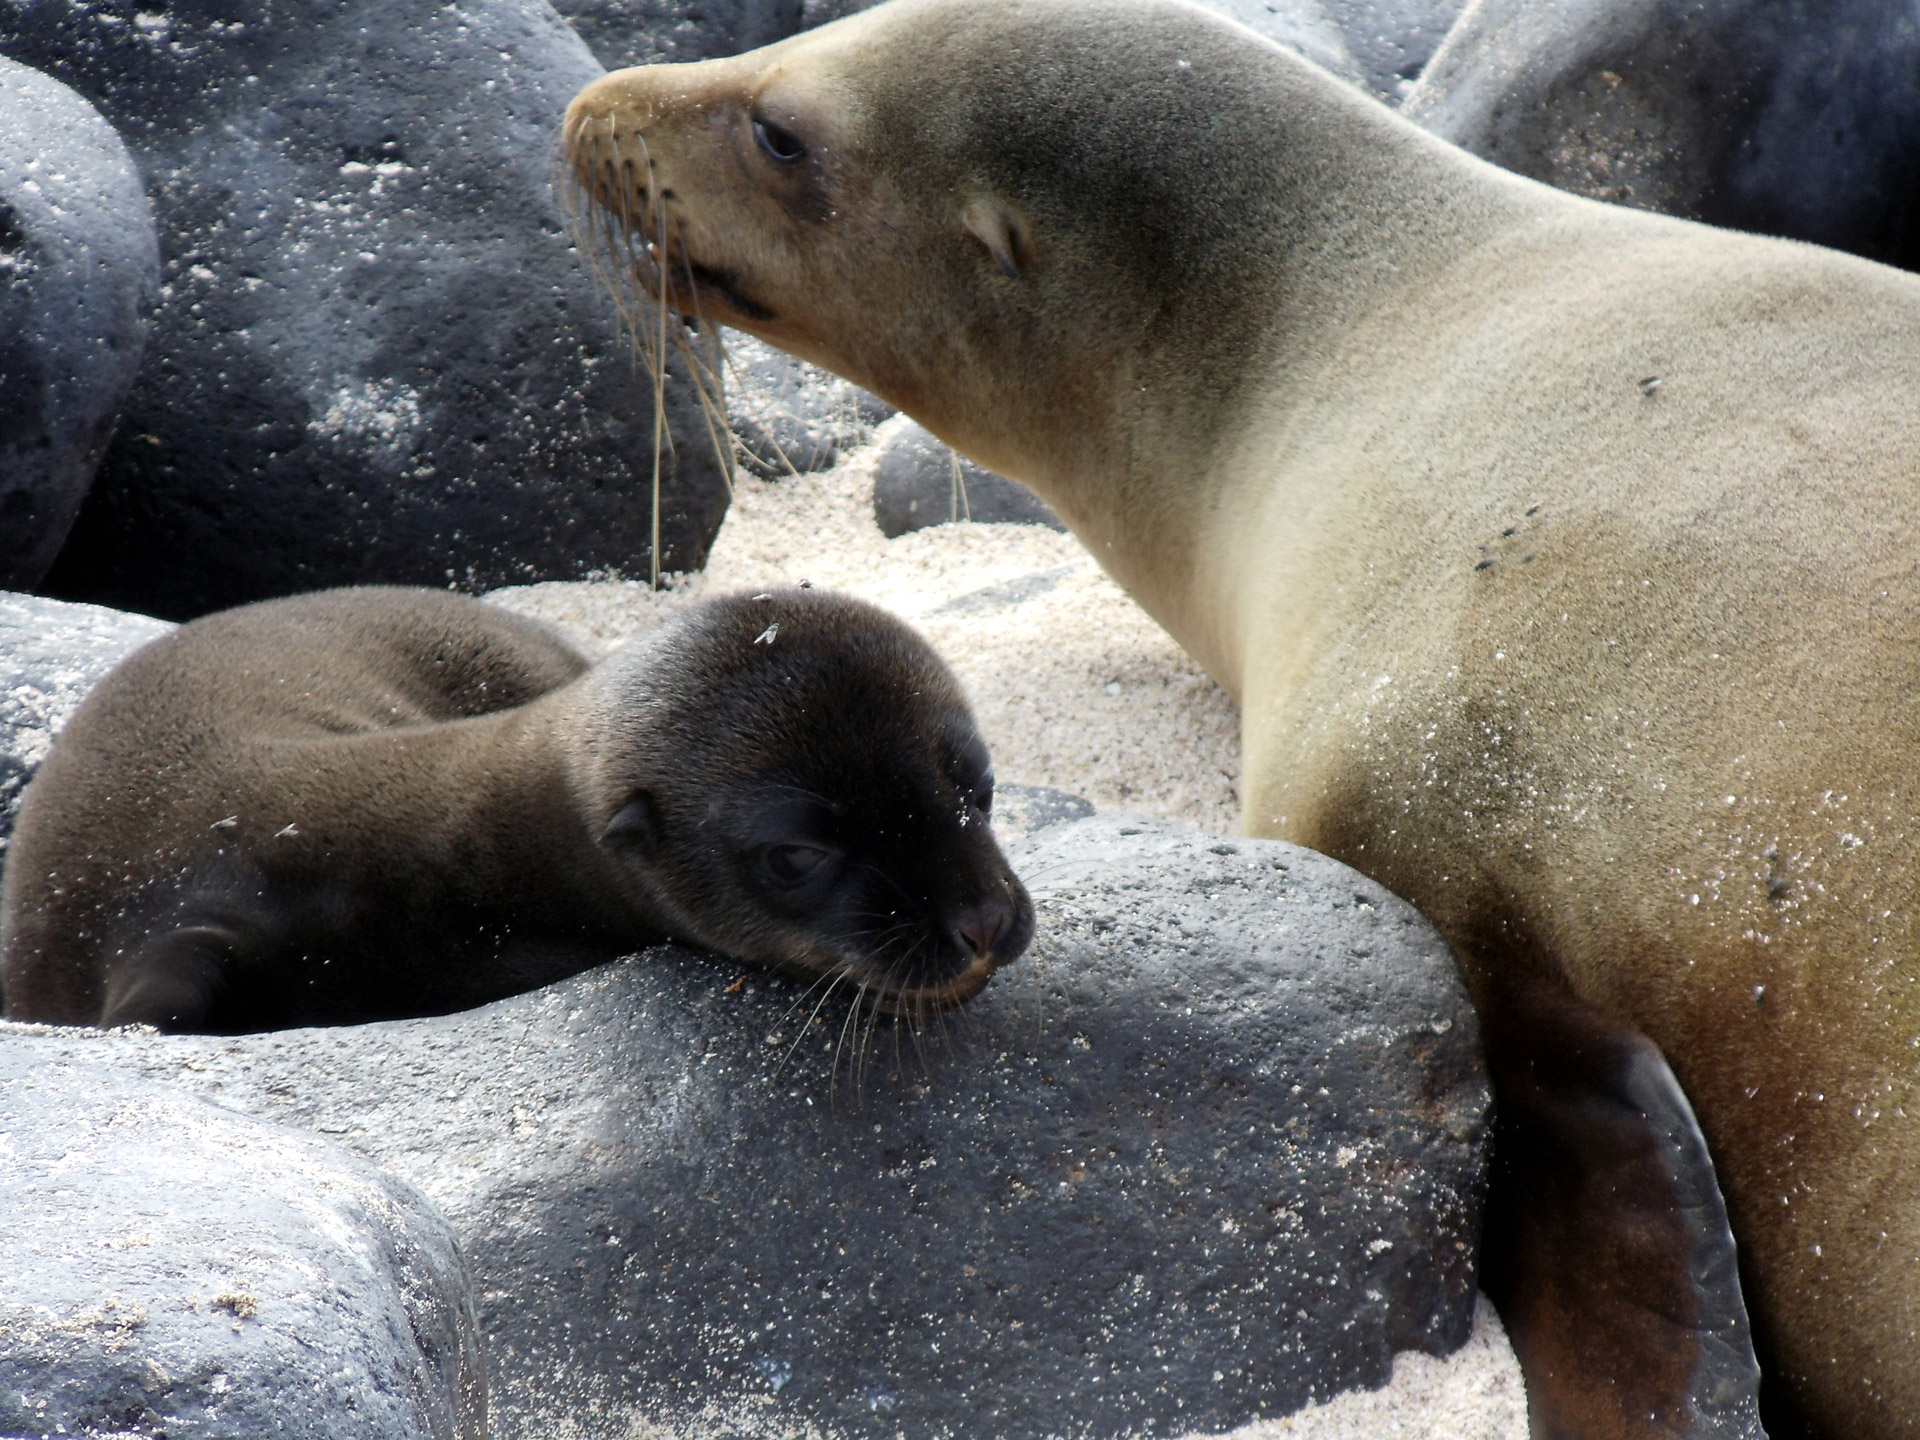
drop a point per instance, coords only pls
(634, 823)
(1003, 230)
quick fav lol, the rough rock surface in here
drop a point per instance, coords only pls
(377, 356)
(791, 417)
(1784, 117)
(51, 654)
(1213, 1149)
(915, 485)
(175, 1269)
(79, 270)
(644, 32)
(1391, 41)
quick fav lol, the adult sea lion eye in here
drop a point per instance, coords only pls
(791, 864)
(781, 146)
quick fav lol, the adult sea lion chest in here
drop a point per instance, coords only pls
(1559, 556)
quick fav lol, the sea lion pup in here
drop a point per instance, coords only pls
(371, 803)
(1561, 558)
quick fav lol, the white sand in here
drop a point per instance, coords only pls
(1074, 688)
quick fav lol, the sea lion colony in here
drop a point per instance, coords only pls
(364, 804)
(1559, 556)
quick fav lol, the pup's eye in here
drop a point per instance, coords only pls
(982, 793)
(782, 147)
(790, 864)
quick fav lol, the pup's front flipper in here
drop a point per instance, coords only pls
(173, 981)
(1607, 1249)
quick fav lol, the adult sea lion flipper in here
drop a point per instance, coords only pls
(1607, 1248)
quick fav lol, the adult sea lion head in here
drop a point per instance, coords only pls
(794, 777)
(1015, 220)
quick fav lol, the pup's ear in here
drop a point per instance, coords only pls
(1000, 227)
(635, 823)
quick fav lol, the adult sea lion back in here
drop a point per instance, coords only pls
(1562, 559)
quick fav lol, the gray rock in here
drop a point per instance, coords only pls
(1213, 1149)
(1023, 811)
(1784, 117)
(790, 417)
(377, 356)
(79, 270)
(645, 32)
(177, 1270)
(1391, 41)
(918, 481)
(51, 654)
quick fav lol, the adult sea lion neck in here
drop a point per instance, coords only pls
(1105, 246)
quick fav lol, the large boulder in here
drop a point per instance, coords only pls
(174, 1269)
(79, 271)
(377, 356)
(51, 654)
(1213, 1149)
(1784, 117)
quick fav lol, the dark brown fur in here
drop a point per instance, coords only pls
(373, 803)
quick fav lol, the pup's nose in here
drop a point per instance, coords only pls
(976, 927)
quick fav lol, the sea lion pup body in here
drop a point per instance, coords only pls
(364, 804)
(1562, 560)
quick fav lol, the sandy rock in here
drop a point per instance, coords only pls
(176, 1269)
(79, 270)
(1213, 1149)
(1793, 119)
(377, 356)
(918, 481)
(51, 654)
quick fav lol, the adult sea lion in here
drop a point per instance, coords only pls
(1562, 559)
(370, 803)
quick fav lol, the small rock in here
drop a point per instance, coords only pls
(377, 355)
(1794, 120)
(1214, 1148)
(791, 417)
(646, 32)
(79, 272)
(176, 1269)
(918, 481)
(51, 654)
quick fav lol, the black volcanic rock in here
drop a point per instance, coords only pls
(1214, 1148)
(1783, 117)
(174, 1269)
(376, 357)
(79, 270)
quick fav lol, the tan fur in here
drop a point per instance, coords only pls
(1294, 370)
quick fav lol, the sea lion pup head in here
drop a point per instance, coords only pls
(1033, 226)
(793, 777)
